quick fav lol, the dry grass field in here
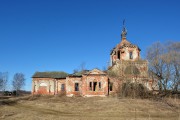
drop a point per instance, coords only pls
(94, 108)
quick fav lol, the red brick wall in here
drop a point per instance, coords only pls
(117, 83)
(70, 86)
(59, 85)
(42, 90)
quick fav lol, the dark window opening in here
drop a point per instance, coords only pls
(130, 55)
(90, 86)
(94, 86)
(110, 86)
(119, 55)
(76, 86)
(62, 87)
(99, 85)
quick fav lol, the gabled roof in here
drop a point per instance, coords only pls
(50, 75)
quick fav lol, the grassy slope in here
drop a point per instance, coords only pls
(79, 108)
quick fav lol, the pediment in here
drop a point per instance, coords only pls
(96, 72)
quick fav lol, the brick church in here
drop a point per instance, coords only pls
(125, 65)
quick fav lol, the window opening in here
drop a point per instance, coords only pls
(119, 55)
(130, 55)
(62, 87)
(90, 86)
(110, 86)
(99, 85)
(94, 86)
(76, 86)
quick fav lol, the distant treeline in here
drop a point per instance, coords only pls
(15, 93)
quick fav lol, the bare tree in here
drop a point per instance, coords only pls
(81, 68)
(18, 81)
(174, 57)
(3, 80)
(164, 62)
(154, 54)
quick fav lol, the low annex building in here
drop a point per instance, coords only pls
(126, 65)
(87, 83)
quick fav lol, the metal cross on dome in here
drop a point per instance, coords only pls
(124, 31)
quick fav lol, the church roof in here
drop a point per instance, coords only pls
(126, 43)
(50, 75)
(79, 74)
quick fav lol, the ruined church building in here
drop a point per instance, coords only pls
(125, 65)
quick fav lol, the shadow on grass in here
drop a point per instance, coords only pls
(8, 102)
(13, 100)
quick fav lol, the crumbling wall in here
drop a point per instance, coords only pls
(130, 71)
(59, 89)
(70, 86)
(43, 86)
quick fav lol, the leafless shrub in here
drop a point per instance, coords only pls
(134, 90)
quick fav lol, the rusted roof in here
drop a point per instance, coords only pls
(50, 75)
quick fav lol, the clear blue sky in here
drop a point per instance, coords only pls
(59, 35)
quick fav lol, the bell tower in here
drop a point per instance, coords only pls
(124, 51)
